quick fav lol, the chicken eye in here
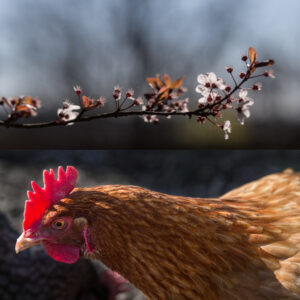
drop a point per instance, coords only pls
(59, 224)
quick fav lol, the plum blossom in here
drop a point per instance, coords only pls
(208, 97)
(269, 73)
(242, 75)
(207, 85)
(184, 108)
(257, 86)
(100, 101)
(202, 101)
(68, 113)
(129, 93)
(181, 105)
(117, 92)
(205, 93)
(244, 57)
(227, 129)
(243, 106)
(243, 96)
(138, 101)
(77, 89)
(208, 82)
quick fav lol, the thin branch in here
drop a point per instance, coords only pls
(204, 111)
(162, 101)
(115, 114)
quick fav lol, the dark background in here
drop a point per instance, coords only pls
(49, 46)
(189, 173)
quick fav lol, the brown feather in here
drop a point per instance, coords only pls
(244, 245)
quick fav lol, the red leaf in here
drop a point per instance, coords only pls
(252, 55)
(22, 108)
(167, 79)
(85, 101)
(155, 82)
(163, 89)
(176, 84)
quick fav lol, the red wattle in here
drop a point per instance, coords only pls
(63, 253)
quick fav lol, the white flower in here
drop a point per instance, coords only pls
(208, 96)
(227, 129)
(243, 96)
(202, 100)
(208, 82)
(185, 107)
(243, 106)
(68, 113)
(202, 79)
(201, 89)
(243, 113)
(205, 93)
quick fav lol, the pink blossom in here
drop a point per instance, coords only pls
(243, 106)
(229, 69)
(269, 73)
(117, 92)
(257, 86)
(100, 101)
(77, 89)
(68, 113)
(138, 101)
(129, 93)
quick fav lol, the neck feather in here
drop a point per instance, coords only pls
(154, 240)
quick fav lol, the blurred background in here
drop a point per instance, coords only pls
(189, 173)
(46, 47)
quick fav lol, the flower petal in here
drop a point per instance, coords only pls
(202, 79)
(212, 77)
(243, 93)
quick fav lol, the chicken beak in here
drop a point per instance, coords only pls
(25, 243)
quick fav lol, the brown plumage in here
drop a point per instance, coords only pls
(244, 245)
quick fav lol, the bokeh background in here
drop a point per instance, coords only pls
(48, 46)
(189, 173)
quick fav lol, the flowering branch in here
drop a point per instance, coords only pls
(163, 100)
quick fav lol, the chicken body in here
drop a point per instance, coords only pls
(244, 245)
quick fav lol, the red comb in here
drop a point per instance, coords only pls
(53, 191)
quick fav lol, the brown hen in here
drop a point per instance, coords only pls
(244, 245)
